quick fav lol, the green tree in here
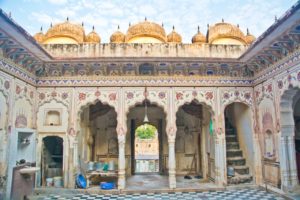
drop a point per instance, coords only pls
(145, 131)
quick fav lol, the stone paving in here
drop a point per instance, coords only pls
(238, 194)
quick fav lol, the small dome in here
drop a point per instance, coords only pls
(249, 38)
(117, 37)
(65, 32)
(146, 30)
(39, 37)
(199, 37)
(93, 37)
(174, 37)
(225, 33)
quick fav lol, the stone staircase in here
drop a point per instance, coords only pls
(235, 158)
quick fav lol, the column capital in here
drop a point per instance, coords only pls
(121, 130)
(171, 132)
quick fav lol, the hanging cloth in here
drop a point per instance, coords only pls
(211, 129)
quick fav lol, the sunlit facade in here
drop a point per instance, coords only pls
(225, 102)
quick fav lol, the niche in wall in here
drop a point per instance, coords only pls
(269, 145)
(53, 117)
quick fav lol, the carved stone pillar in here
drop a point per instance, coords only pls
(220, 158)
(257, 160)
(293, 164)
(284, 164)
(287, 158)
(74, 162)
(172, 159)
(121, 171)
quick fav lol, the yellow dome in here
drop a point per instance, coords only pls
(65, 32)
(225, 33)
(174, 37)
(39, 37)
(117, 37)
(146, 32)
(93, 37)
(198, 37)
(249, 38)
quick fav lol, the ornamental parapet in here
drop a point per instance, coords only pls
(144, 50)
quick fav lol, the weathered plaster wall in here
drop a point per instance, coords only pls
(17, 100)
(71, 100)
(145, 50)
(274, 114)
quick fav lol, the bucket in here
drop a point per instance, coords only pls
(58, 181)
(90, 166)
(98, 166)
(230, 171)
(49, 182)
(107, 185)
(111, 165)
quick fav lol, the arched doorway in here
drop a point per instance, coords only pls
(194, 144)
(146, 154)
(296, 115)
(239, 143)
(52, 160)
(98, 143)
(289, 141)
(158, 163)
(135, 119)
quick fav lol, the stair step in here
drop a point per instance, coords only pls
(234, 153)
(240, 179)
(229, 131)
(231, 138)
(236, 161)
(243, 170)
(232, 145)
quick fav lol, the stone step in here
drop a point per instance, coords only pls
(239, 179)
(229, 131)
(236, 161)
(243, 170)
(234, 153)
(232, 145)
(231, 138)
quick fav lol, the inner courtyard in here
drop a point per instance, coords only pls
(148, 113)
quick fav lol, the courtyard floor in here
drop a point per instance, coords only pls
(153, 182)
(246, 194)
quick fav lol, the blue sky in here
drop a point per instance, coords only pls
(185, 15)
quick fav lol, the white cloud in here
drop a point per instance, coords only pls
(58, 2)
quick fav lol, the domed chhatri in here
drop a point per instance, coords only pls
(146, 32)
(174, 37)
(117, 37)
(249, 38)
(225, 33)
(64, 33)
(93, 37)
(198, 38)
(39, 37)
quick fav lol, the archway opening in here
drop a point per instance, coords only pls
(239, 143)
(52, 161)
(156, 165)
(98, 143)
(194, 145)
(146, 153)
(137, 125)
(296, 113)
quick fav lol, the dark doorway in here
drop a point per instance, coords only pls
(52, 158)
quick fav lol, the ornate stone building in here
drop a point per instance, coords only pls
(225, 100)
